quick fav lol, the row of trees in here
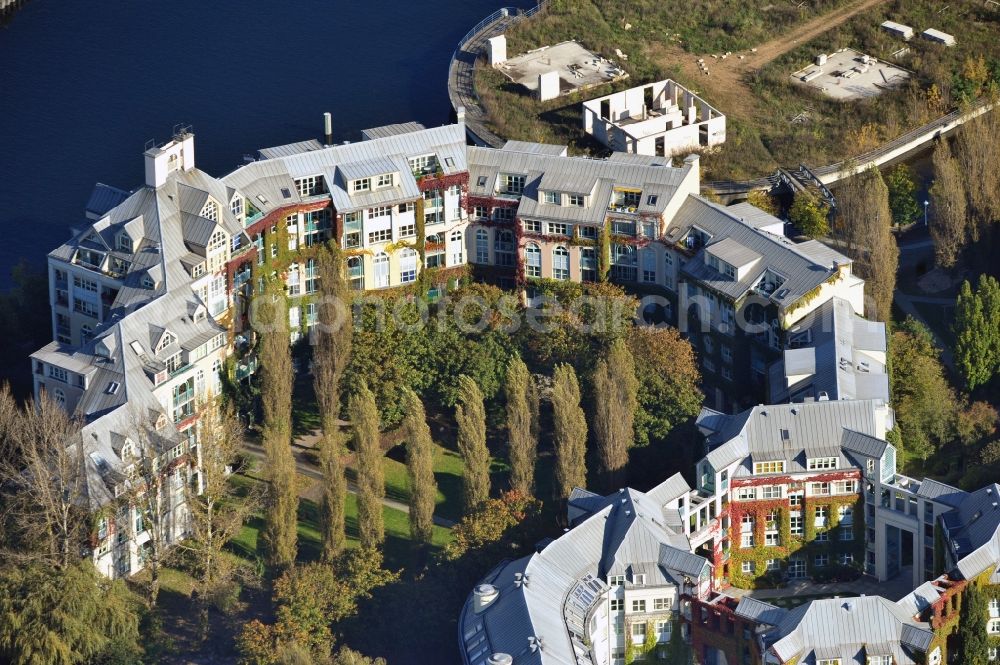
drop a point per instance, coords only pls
(965, 194)
(977, 332)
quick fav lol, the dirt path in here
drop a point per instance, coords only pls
(722, 80)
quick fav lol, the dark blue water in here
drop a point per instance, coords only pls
(84, 85)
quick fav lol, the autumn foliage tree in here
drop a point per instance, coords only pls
(949, 229)
(569, 431)
(470, 415)
(282, 502)
(615, 399)
(810, 214)
(332, 340)
(668, 381)
(419, 468)
(371, 478)
(522, 408)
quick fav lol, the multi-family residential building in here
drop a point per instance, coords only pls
(612, 584)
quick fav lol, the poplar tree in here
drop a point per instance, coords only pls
(866, 222)
(977, 337)
(615, 399)
(276, 397)
(419, 468)
(521, 426)
(570, 431)
(950, 229)
(470, 415)
(331, 356)
(371, 479)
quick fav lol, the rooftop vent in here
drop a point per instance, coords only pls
(483, 597)
(532, 644)
(824, 396)
(518, 578)
(500, 659)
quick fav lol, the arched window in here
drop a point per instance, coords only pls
(381, 270)
(217, 241)
(560, 263)
(532, 260)
(199, 383)
(59, 397)
(407, 266)
(356, 273)
(482, 246)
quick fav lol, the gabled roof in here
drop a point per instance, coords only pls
(759, 611)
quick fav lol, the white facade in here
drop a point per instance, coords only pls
(660, 119)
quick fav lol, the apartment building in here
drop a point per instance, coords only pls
(730, 278)
(615, 579)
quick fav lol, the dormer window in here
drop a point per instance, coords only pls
(553, 198)
(236, 206)
(481, 181)
(166, 340)
(513, 183)
(147, 282)
(760, 468)
(652, 199)
(125, 242)
(423, 164)
(210, 211)
(577, 200)
(384, 180)
(361, 185)
(198, 270)
(309, 185)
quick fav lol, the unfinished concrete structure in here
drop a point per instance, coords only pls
(551, 71)
(847, 75)
(660, 119)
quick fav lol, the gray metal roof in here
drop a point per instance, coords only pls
(391, 130)
(103, 198)
(843, 627)
(759, 611)
(801, 271)
(732, 252)
(290, 149)
(792, 433)
(536, 148)
(942, 493)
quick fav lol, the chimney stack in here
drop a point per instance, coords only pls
(328, 127)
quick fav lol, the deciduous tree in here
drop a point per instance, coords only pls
(615, 400)
(570, 431)
(902, 202)
(332, 340)
(865, 222)
(521, 426)
(470, 414)
(950, 226)
(977, 334)
(668, 381)
(810, 214)
(419, 468)
(371, 478)
(281, 514)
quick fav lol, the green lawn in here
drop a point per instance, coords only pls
(398, 548)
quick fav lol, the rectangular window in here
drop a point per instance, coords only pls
(771, 539)
(639, 605)
(512, 184)
(532, 226)
(352, 240)
(58, 373)
(379, 211)
(557, 229)
(588, 232)
(661, 604)
(795, 525)
(553, 198)
(771, 491)
(746, 493)
(560, 265)
(993, 627)
(845, 487)
(361, 185)
(819, 489)
(821, 561)
(795, 499)
(845, 558)
(796, 567)
(639, 631)
(617, 605)
(384, 180)
(746, 540)
(768, 467)
(577, 200)
(746, 567)
(816, 463)
(384, 235)
(616, 580)
(407, 230)
(772, 565)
